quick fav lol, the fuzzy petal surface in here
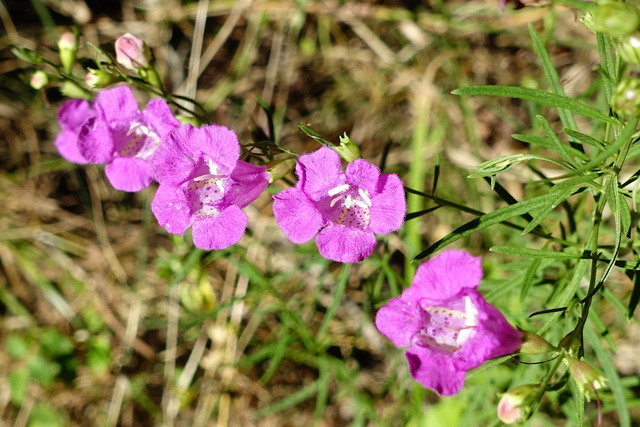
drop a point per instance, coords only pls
(399, 321)
(494, 337)
(388, 205)
(158, 116)
(345, 244)
(434, 370)
(95, 142)
(172, 209)
(116, 104)
(67, 145)
(319, 172)
(249, 181)
(129, 174)
(221, 231)
(296, 215)
(445, 276)
(73, 114)
(174, 161)
(220, 144)
(363, 174)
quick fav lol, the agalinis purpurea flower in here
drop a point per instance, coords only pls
(132, 52)
(71, 116)
(446, 325)
(344, 209)
(125, 138)
(204, 185)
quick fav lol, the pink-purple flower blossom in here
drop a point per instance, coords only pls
(71, 116)
(344, 209)
(446, 325)
(125, 138)
(204, 185)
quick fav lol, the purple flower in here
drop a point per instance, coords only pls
(125, 138)
(446, 325)
(71, 116)
(346, 207)
(132, 52)
(204, 185)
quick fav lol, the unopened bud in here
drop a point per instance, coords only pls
(39, 80)
(629, 48)
(67, 48)
(97, 78)
(534, 344)
(348, 149)
(71, 89)
(280, 168)
(585, 376)
(515, 404)
(616, 19)
(626, 98)
(132, 52)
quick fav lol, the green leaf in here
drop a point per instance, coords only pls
(43, 370)
(558, 146)
(18, 383)
(45, 416)
(533, 253)
(16, 347)
(529, 275)
(55, 344)
(544, 142)
(289, 401)
(501, 164)
(539, 96)
(585, 139)
(487, 220)
(550, 72)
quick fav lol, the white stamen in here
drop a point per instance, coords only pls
(337, 190)
(365, 196)
(334, 201)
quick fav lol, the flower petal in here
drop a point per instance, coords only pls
(172, 210)
(494, 337)
(174, 160)
(319, 172)
(296, 215)
(95, 142)
(445, 276)
(129, 173)
(73, 114)
(388, 205)
(158, 116)
(67, 144)
(221, 231)
(116, 104)
(399, 321)
(363, 175)
(345, 244)
(433, 369)
(220, 144)
(248, 182)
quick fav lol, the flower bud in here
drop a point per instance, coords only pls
(39, 80)
(71, 89)
(67, 48)
(514, 404)
(616, 19)
(348, 149)
(626, 98)
(629, 48)
(132, 52)
(280, 168)
(97, 78)
(585, 376)
(534, 344)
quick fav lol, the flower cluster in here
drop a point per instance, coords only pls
(203, 184)
(446, 325)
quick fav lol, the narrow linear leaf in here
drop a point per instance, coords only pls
(585, 139)
(550, 72)
(529, 275)
(539, 96)
(544, 142)
(560, 192)
(558, 146)
(289, 401)
(487, 220)
(533, 253)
